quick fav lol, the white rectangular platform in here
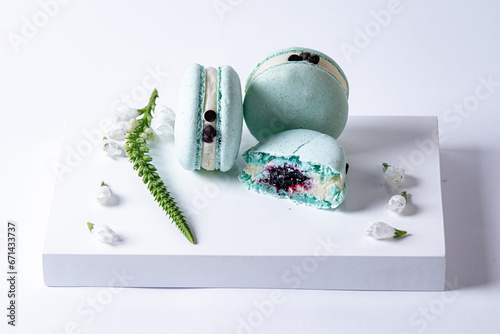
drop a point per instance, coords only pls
(245, 239)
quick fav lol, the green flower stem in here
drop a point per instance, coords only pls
(137, 151)
(398, 233)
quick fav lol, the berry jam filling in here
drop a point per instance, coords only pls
(286, 178)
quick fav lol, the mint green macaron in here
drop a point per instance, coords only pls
(306, 166)
(296, 88)
(209, 118)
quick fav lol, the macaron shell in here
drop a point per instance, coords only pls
(188, 119)
(230, 118)
(308, 145)
(295, 95)
(299, 50)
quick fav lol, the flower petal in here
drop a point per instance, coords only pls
(103, 194)
(380, 230)
(394, 175)
(396, 204)
(104, 233)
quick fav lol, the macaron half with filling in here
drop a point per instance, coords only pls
(209, 118)
(296, 88)
(306, 166)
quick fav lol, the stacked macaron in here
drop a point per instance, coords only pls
(295, 104)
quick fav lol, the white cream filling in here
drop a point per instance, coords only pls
(284, 59)
(208, 150)
(318, 189)
(253, 170)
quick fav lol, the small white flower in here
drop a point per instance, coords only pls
(103, 194)
(103, 233)
(118, 130)
(163, 121)
(394, 175)
(380, 230)
(397, 203)
(132, 124)
(124, 114)
(111, 148)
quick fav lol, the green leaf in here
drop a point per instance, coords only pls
(405, 195)
(90, 226)
(398, 233)
(137, 150)
(385, 166)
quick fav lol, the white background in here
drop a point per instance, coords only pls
(424, 58)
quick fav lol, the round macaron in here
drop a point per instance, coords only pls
(296, 88)
(209, 118)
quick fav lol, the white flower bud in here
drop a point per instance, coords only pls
(396, 204)
(118, 130)
(163, 121)
(103, 233)
(103, 194)
(380, 230)
(395, 175)
(111, 148)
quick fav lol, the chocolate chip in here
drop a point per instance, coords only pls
(210, 115)
(294, 58)
(209, 131)
(207, 139)
(305, 55)
(346, 168)
(313, 59)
